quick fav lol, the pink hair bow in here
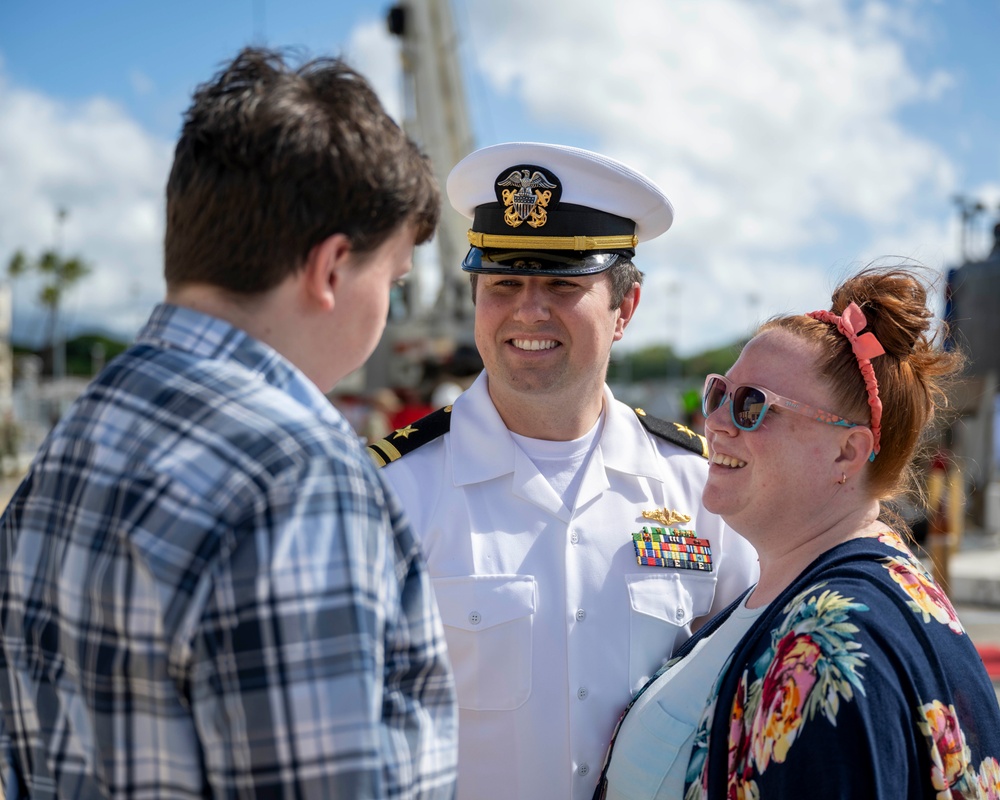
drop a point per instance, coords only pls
(866, 347)
(850, 323)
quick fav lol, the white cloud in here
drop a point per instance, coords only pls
(773, 126)
(374, 52)
(96, 161)
(109, 173)
(98, 164)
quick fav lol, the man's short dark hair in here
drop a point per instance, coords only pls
(273, 160)
(622, 275)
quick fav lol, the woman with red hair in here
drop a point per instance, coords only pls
(845, 671)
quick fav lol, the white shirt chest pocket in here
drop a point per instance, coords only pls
(487, 622)
(663, 605)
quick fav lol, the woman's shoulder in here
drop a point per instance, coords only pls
(879, 574)
(879, 588)
(863, 640)
(872, 619)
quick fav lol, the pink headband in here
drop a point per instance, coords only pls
(866, 347)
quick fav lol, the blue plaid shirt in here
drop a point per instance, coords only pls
(207, 591)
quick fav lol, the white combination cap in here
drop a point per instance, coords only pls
(551, 209)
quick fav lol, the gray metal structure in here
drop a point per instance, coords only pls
(436, 117)
(972, 310)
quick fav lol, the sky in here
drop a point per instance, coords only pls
(797, 139)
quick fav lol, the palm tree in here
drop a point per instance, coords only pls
(58, 274)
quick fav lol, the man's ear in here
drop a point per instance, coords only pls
(324, 267)
(625, 311)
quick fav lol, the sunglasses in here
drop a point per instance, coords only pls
(748, 405)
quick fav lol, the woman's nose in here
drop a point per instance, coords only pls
(721, 419)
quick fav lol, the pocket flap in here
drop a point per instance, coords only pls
(478, 602)
(666, 597)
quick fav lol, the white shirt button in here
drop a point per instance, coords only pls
(583, 769)
(680, 613)
(474, 618)
(582, 693)
(574, 537)
(581, 615)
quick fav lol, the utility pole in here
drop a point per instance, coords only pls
(674, 289)
(58, 341)
(753, 302)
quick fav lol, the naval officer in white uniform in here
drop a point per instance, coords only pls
(532, 493)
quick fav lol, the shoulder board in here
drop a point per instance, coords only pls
(674, 432)
(405, 440)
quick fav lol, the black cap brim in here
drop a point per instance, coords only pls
(532, 262)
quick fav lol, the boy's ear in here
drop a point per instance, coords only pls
(324, 265)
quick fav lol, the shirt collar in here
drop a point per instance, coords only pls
(484, 449)
(482, 446)
(208, 337)
(626, 445)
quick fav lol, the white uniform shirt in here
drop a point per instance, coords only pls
(551, 623)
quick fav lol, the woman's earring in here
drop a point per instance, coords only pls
(843, 478)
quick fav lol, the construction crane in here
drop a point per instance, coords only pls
(418, 333)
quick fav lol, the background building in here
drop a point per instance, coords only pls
(972, 309)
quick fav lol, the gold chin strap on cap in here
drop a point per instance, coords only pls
(579, 243)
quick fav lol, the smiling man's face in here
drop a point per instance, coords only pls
(547, 335)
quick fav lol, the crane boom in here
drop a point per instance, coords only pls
(436, 117)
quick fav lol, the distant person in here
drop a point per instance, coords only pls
(845, 672)
(207, 590)
(564, 531)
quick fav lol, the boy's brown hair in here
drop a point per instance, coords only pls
(273, 160)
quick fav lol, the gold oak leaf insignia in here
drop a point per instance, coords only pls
(686, 429)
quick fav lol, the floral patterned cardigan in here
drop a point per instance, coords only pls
(858, 681)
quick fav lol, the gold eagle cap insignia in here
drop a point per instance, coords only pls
(527, 201)
(666, 516)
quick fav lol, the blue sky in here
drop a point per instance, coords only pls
(798, 139)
